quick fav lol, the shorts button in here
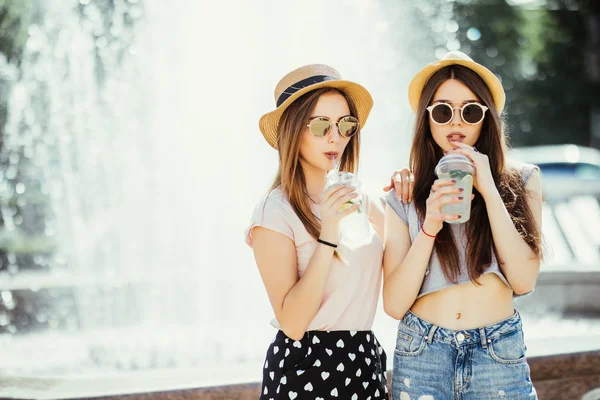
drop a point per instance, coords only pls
(460, 337)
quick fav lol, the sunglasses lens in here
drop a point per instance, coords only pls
(441, 113)
(320, 126)
(348, 126)
(472, 114)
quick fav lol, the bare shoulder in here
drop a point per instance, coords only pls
(377, 205)
(377, 212)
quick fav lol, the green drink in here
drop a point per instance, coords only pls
(461, 169)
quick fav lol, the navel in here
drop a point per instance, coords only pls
(458, 315)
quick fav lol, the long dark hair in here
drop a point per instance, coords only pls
(425, 154)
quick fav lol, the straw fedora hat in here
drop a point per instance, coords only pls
(304, 80)
(455, 58)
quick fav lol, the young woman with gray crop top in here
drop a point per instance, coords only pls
(452, 285)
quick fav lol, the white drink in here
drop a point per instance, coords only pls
(354, 227)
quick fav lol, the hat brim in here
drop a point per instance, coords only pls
(418, 82)
(361, 97)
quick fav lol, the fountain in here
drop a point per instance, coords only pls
(132, 161)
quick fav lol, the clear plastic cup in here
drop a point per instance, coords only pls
(461, 169)
(355, 227)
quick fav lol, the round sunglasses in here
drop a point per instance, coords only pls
(321, 126)
(443, 113)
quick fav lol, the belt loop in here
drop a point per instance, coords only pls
(430, 334)
(483, 338)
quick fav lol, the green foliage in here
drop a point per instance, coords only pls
(540, 56)
(21, 243)
(15, 18)
(558, 96)
(540, 51)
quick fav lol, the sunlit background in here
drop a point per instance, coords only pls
(131, 161)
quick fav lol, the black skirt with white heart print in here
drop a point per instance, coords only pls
(349, 365)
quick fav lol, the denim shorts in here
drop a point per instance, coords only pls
(431, 362)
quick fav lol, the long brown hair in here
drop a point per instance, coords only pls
(425, 154)
(290, 176)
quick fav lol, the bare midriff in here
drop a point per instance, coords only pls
(468, 305)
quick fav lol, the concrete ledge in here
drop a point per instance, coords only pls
(563, 366)
(566, 376)
(556, 377)
(248, 391)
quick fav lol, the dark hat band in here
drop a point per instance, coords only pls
(302, 84)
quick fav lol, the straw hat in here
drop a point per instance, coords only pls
(304, 80)
(455, 58)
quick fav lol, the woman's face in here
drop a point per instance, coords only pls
(456, 94)
(319, 153)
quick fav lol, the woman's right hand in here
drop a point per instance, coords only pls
(403, 181)
(334, 208)
(443, 191)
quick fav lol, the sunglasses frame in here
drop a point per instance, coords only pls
(431, 107)
(336, 124)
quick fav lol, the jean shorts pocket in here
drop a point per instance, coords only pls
(509, 348)
(409, 343)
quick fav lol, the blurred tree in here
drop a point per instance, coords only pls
(558, 93)
(15, 17)
(487, 32)
(543, 56)
(546, 52)
(591, 10)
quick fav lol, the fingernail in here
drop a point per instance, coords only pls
(461, 189)
(460, 216)
(453, 180)
(460, 198)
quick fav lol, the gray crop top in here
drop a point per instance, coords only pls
(434, 276)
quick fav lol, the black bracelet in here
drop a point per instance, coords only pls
(327, 243)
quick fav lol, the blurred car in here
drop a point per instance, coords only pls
(567, 170)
